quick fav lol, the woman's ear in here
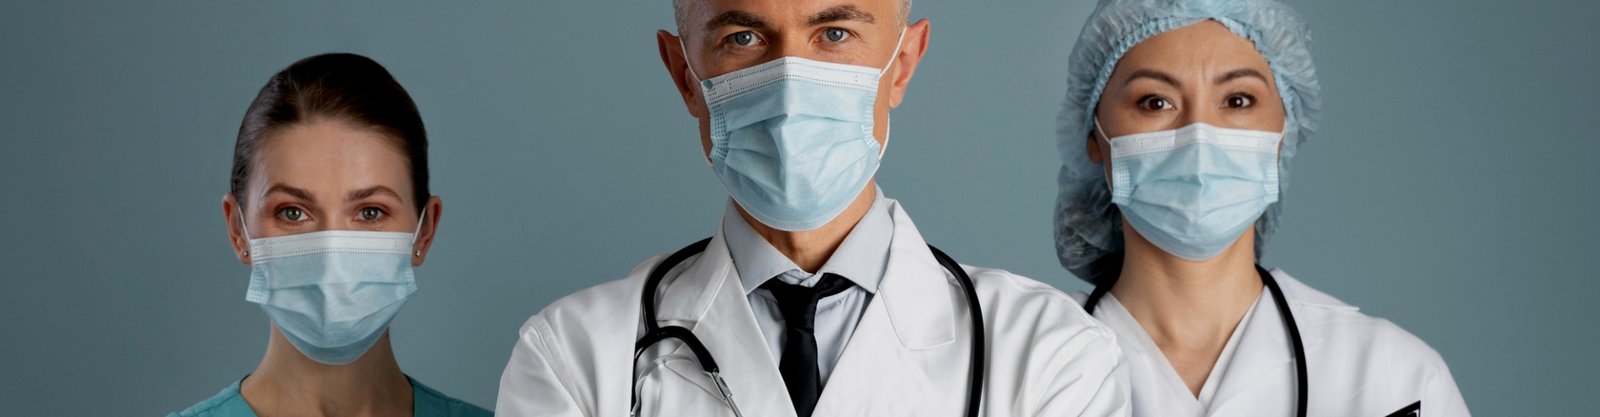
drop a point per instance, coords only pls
(433, 210)
(1093, 147)
(1097, 154)
(233, 217)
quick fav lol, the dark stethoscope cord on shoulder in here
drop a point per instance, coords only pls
(655, 333)
(1106, 281)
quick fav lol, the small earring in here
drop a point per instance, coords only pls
(419, 254)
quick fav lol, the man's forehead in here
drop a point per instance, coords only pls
(701, 13)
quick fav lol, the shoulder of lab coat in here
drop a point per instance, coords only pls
(545, 376)
(1072, 363)
(1386, 358)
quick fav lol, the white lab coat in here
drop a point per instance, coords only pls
(908, 356)
(1357, 365)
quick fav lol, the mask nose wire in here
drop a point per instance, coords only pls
(898, 42)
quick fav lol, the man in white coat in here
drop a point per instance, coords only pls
(816, 296)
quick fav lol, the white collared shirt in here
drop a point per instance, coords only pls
(861, 258)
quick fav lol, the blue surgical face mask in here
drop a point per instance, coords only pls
(1193, 191)
(332, 293)
(792, 139)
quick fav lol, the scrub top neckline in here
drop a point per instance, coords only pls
(424, 400)
(1118, 316)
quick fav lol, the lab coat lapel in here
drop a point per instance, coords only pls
(879, 372)
(709, 299)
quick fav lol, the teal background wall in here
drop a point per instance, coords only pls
(1453, 189)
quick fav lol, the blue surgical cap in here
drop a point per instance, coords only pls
(1088, 228)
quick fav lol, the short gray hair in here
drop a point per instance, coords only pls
(680, 13)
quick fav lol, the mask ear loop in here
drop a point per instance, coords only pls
(685, 51)
(418, 233)
(888, 125)
(246, 229)
(703, 96)
(1101, 134)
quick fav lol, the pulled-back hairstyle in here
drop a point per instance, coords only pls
(341, 87)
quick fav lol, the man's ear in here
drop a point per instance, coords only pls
(434, 210)
(671, 49)
(233, 217)
(906, 60)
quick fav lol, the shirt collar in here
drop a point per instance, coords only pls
(861, 258)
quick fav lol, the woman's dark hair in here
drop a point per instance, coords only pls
(344, 87)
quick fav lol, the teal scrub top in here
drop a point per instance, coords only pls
(425, 403)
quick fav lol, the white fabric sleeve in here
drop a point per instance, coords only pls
(1091, 380)
(533, 381)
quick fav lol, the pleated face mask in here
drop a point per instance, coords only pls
(1194, 190)
(332, 293)
(792, 139)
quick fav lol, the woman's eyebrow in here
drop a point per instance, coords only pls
(1152, 74)
(371, 191)
(291, 191)
(1241, 73)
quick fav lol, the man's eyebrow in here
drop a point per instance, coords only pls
(1154, 75)
(371, 191)
(735, 18)
(840, 13)
(291, 191)
(1241, 73)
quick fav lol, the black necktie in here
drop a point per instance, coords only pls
(799, 364)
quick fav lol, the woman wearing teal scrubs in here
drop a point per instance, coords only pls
(329, 205)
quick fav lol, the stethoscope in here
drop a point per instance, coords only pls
(654, 333)
(1283, 311)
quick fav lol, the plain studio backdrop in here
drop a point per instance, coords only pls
(1452, 188)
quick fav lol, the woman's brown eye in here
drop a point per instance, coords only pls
(371, 214)
(1239, 101)
(1155, 103)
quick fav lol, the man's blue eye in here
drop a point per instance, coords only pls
(836, 35)
(745, 38)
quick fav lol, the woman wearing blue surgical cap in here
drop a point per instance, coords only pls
(329, 205)
(1180, 120)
